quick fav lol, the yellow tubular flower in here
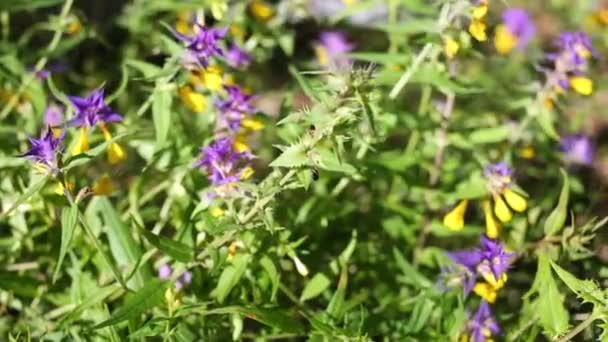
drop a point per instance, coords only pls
(582, 85)
(82, 144)
(602, 16)
(194, 101)
(60, 188)
(486, 291)
(455, 218)
(212, 78)
(516, 201)
(322, 56)
(104, 186)
(239, 144)
(260, 10)
(492, 281)
(477, 29)
(493, 227)
(527, 152)
(504, 41)
(217, 212)
(450, 47)
(246, 173)
(501, 210)
(480, 11)
(252, 124)
(116, 154)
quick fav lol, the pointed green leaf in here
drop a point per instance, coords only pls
(161, 114)
(557, 218)
(315, 287)
(175, 249)
(553, 316)
(34, 188)
(69, 219)
(231, 276)
(143, 300)
(587, 290)
(293, 156)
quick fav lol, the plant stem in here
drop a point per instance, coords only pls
(579, 328)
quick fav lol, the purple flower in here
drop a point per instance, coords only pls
(578, 149)
(92, 109)
(237, 57)
(44, 150)
(59, 66)
(482, 325)
(519, 24)
(184, 279)
(202, 45)
(457, 275)
(332, 48)
(577, 46)
(235, 107)
(164, 272)
(222, 162)
(53, 115)
(498, 176)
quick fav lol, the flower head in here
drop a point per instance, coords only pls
(578, 149)
(92, 109)
(235, 107)
(53, 115)
(44, 150)
(223, 164)
(164, 272)
(482, 325)
(331, 49)
(237, 57)
(498, 175)
(576, 45)
(201, 46)
(516, 31)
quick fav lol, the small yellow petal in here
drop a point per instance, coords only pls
(217, 212)
(504, 41)
(56, 132)
(450, 47)
(60, 188)
(252, 124)
(527, 152)
(194, 101)
(260, 10)
(480, 11)
(477, 29)
(582, 85)
(104, 186)
(455, 218)
(516, 201)
(240, 145)
(486, 291)
(237, 31)
(116, 153)
(501, 210)
(183, 27)
(493, 227)
(246, 173)
(322, 55)
(496, 284)
(212, 78)
(82, 144)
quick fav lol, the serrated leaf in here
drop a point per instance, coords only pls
(553, 316)
(143, 300)
(557, 218)
(231, 276)
(175, 249)
(587, 290)
(69, 220)
(315, 287)
(293, 156)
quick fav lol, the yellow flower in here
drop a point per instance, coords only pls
(501, 210)
(486, 291)
(116, 154)
(515, 200)
(60, 188)
(212, 77)
(455, 218)
(237, 31)
(260, 10)
(349, 2)
(246, 173)
(504, 41)
(493, 227)
(527, 152)
(104, 186)
(82, 144)
(219, 9)
(477, 29)
(252, 124)
(322, 56)
(194, 101)
(239, 144)
(450, 47)
(497, 284)
(479, 12)
(602, 16)
(217, 212)
(581, 85)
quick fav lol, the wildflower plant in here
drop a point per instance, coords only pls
(302, 170)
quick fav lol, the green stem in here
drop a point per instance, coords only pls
(579, 328)
(12, 102)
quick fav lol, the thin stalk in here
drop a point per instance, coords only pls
(579, 328)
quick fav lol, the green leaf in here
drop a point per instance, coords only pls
(33, 189)
(20, 285)
(315, 287)
(125, 250)
(29, 5)
(553, 316)
(306, 87)
(69, 220)
(124, 80)
(95, 298)
(411, 26)
(143, 300)
(587, 290)
(293, 156)
(412, 276)
(231, 276)
(275, 318)
(175, 249)
(490, 135)
(557, 218)
(161, 113)
(147, 69)
(271, 269)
